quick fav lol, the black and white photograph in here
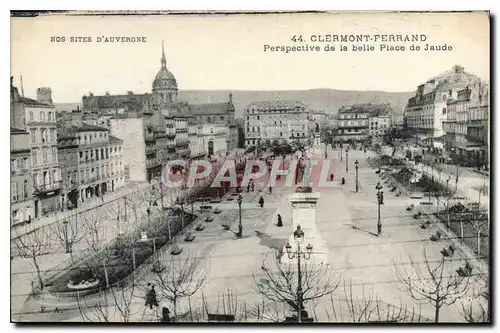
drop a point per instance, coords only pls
(250, 167)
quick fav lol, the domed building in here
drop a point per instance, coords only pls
(164, 85)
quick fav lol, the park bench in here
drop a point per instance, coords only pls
(448, 252)
(220, 317)
(465, 271)
(200, 227)
(436, 237)
(189, 237)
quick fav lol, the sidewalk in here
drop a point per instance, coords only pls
(85, 206)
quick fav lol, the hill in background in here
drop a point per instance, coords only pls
(327, 100)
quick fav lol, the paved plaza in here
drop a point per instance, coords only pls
(346, 220)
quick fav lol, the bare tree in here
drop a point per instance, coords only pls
(436, 284)
(32, 246)
(280, 283)
(477, 310)
(111, 305)
(67, 234)
(366, 308)
(180, 277)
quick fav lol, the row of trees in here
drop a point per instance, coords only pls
(426, 281)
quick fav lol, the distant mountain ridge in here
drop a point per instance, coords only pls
(326, 100)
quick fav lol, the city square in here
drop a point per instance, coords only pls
(246, 207)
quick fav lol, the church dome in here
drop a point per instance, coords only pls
(164, 80)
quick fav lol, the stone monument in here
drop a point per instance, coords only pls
(316, 141)
(304, 205)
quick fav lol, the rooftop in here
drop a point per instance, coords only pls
(32, 102)
(276, 104)
(210, 108)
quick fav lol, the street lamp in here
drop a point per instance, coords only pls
(68, 247)
(240, 226)
(298, 235)
(346, 159)
(380, 201)
(356, 165)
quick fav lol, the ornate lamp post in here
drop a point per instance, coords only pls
(380, 201)
(347, 159)
(356, 165)
(298, 235)
(240, 226)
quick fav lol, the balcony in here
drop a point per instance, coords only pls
(46, 189)
(181, 130)
(170, 135)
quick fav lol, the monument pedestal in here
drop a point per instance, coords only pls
(304, 207)
(316, 144)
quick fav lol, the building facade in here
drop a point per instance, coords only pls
(41, 125)
(91, 163)
(352, 124)
(276, 121)
(466, 126)
(426, 112)
(21, 182)
(131, 132)
(380, 123)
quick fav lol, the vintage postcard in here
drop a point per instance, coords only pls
(239, 167)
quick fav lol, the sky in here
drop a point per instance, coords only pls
(226, 52)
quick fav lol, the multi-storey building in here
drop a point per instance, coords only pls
(397, 120)
(353, 123)
(466, 126)
(426, 112)
(380, 123)
(196, 146)
(91, 163)
(214, 138)
(41, 125)
(21, 182)
(275, 121)
(478, 132)
(131, 131)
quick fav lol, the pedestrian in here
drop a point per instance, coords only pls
(151, 299)
(165, 315)
(280, 222)
(343, 180)
(261, 202)
(270, 190)
(253, 186)
(248, 187)
(331, 177)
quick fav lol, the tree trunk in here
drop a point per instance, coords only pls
(38, 273)
(436, 313)
(174, 303)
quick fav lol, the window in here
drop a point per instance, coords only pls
(281, 133)
(13, 190)
(31, 115)
(42, 116)
(50, 116)
(33, 135)
(444, 110)
(221, 117)
(44, 155)
(258, 117)
(81, 155)
(25, 189)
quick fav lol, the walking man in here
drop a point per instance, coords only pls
(261, 202)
